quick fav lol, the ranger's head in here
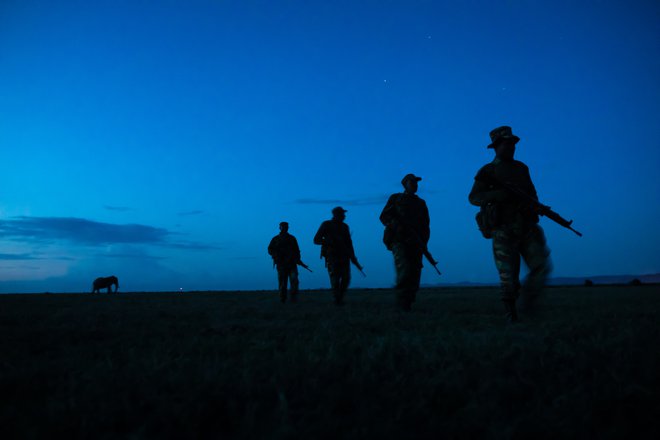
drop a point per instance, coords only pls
(504, 142)
(339, 213)
(410, 184)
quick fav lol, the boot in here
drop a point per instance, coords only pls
(511, 312)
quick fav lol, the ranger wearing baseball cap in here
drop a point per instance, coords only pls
(286, 256)
(334, 237)
(407, 232)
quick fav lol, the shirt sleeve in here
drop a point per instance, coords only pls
(482, 191)
(320, 234)
(426, 231)
(349, 242)
(531, 185)
(296, 249)
(271, 247)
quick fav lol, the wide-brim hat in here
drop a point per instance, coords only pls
(410, 177)
(501, 133)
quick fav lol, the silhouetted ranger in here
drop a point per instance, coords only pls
(512, 222)
(105, 282)
(286, 257)
(337, 248)
(407, 233)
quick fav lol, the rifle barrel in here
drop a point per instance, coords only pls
(431, 260)
(578, 233)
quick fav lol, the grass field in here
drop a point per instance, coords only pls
(242, 365)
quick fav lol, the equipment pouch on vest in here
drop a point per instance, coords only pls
(487, 220)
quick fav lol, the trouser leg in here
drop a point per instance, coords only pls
(507, 260)
(334, 281)
(282, 275)
(345, 279)
(293, 280)
(340, 277)
(536, 255)
(408, 265)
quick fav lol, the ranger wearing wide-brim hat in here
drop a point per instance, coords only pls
(511, 222)
(500, 134)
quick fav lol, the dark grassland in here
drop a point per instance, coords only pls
(242, 365)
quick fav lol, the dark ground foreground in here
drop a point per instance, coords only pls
(242, 365)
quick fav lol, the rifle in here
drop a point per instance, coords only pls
(300, 263)
(429, 257)
(425, 251)
(359, 267)
(538, 206)
(388, 238)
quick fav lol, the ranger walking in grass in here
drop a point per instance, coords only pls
(337, 248)
(286, 256)
(503, 189)
(407, 232)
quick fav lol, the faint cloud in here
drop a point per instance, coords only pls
(194, 246)
(18, 257)
(190, 213)
(61, 258)
(79, 231)
(40, 230)
(117, 208)
(133, 256)
(375, 200)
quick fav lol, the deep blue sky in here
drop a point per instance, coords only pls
(163, 142)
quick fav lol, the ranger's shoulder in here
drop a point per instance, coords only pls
(394, 198)
(421, 203)
(485, 171)
(520, 165)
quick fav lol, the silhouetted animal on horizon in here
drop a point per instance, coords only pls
(105, 282)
